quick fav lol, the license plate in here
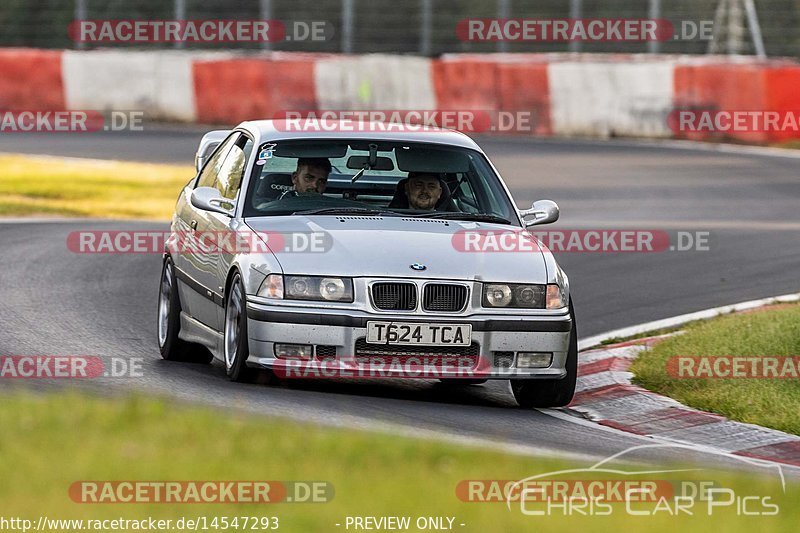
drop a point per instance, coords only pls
(419, 334)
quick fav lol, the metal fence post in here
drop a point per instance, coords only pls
(180, 14)
(426, 21)
(503, 12)
(654, 12)
(755, 28)
(347, 26)
(80, 14)
(265, 13)
(575, 12)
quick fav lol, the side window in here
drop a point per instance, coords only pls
(229, 177)
(465, 196)
(209, 174)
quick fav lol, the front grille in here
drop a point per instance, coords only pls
(444, 297)
(503, 359)
(325, 352)
(394, 296)
(383, 354)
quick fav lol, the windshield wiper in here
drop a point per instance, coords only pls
(345, 211)
(477, 217)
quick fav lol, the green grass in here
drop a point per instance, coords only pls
(793, 144)
(49, 441)
(773, 331)
(73, 187)
(644, 335)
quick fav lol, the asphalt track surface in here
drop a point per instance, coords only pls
(55, 302)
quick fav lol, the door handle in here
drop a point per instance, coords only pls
(193, 225)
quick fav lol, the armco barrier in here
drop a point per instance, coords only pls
(565, 94)
(233, 90)
(157, 83)
(465, 83)
(783, 94)
(721, 86)
(524, 88)
(31, 79)
(604, 99)
(374, 82)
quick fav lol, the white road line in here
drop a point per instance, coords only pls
(86, 220)
(680, 320)
(668, 323)
(669, 144)
(90, 160)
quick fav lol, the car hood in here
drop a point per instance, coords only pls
(388, 246)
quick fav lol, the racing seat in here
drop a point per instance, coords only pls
(400, 200)
(270, 187)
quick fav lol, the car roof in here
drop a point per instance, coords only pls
(277, 130)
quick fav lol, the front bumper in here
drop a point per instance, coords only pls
(495, 336)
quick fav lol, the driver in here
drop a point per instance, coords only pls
(311, 175)
(423, 190)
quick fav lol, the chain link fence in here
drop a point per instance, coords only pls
(423, 27)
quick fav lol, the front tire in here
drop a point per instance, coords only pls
(235, 343)
(551, 392)
(171, 346)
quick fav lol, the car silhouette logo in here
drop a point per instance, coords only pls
(417, 266)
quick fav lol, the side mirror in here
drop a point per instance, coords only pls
(208, 199)
(208, 144)
(542, 211)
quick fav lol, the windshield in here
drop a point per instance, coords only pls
(378, 177)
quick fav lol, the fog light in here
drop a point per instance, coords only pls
(534, 359)
(293, 351)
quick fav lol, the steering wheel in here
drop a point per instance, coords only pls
(288, 194)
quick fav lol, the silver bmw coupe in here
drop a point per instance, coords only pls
(363, 252)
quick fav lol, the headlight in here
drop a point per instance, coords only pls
(514, 295)
(308, 288)
(497, 295)
(335, 289)
(523, 296)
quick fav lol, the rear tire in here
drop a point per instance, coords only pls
(171, 346)
(551, 392)
(236, 348)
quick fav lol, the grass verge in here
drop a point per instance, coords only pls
(50, 441)
(772, 331)
(53, 186)
(793, 144)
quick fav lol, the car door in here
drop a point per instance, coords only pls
(195, 268)
(229, 183)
